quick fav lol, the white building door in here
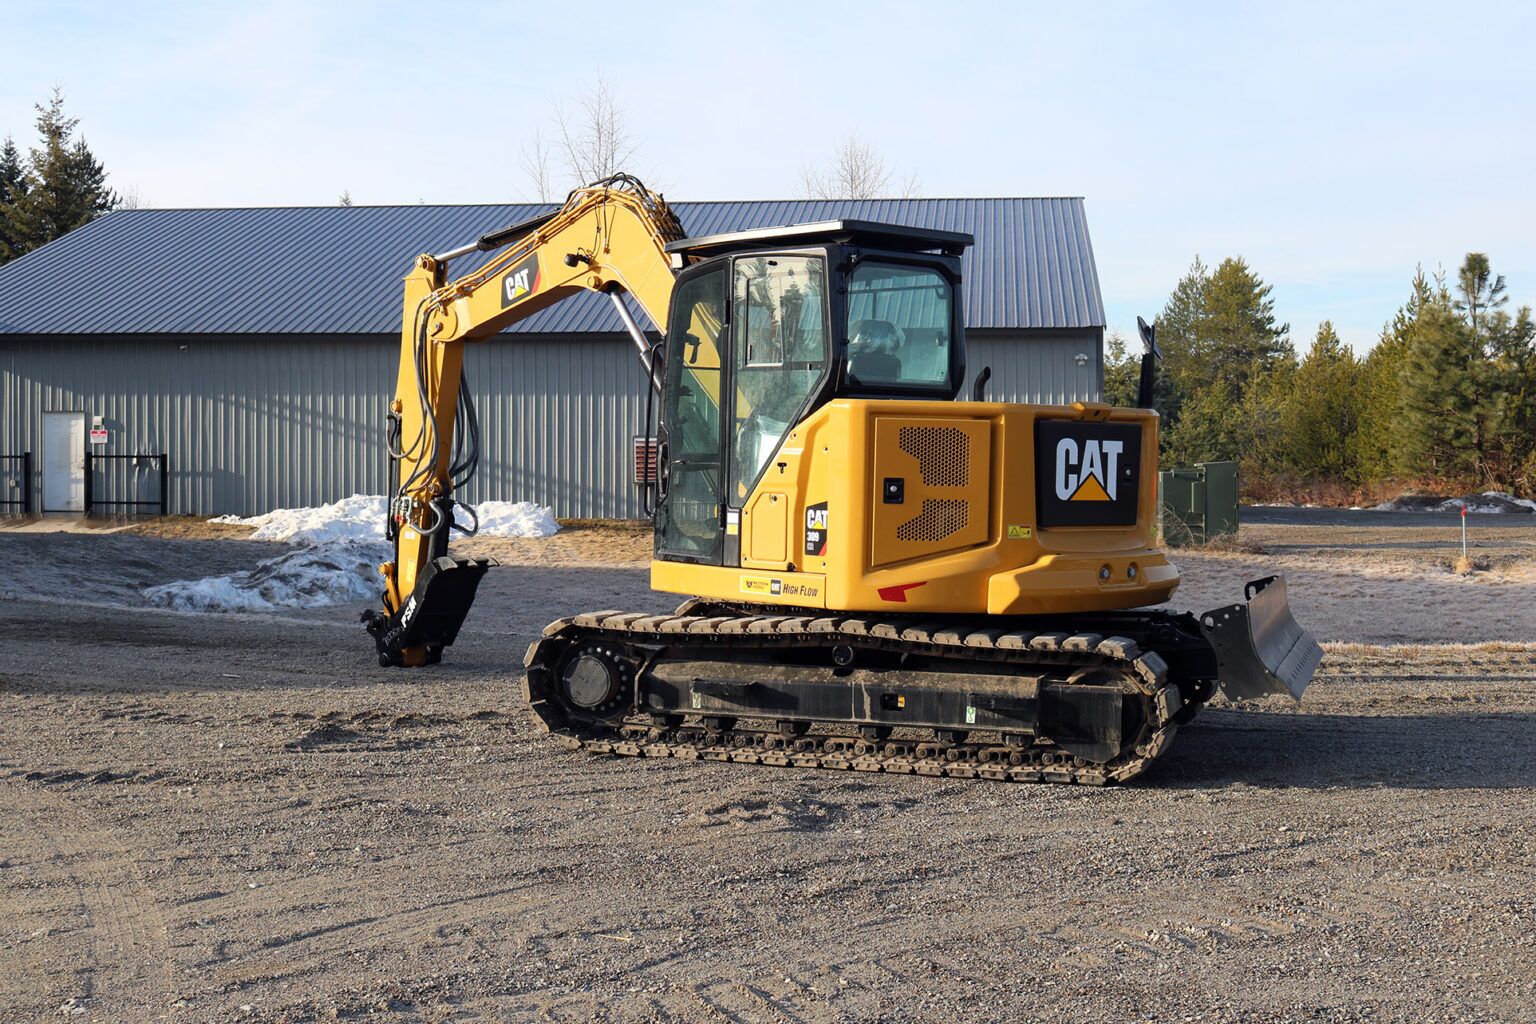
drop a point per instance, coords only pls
(63, 462)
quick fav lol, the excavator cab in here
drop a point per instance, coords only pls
(781, 321)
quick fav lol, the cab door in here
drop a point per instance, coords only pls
(778, 366)
(690, 516)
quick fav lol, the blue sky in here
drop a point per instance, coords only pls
(1334, 146)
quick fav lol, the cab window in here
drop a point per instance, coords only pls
(899, 326)
(688, 520)
(780, 341)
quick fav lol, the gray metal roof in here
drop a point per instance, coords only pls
(337, 270)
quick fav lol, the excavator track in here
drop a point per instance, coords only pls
(637, 646)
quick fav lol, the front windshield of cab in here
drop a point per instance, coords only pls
(898, 326)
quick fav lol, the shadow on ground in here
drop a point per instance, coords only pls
(1465, 750)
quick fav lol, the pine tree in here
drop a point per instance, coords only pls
(1379, 450)
(1262, 445)
(1219, 327)
(1122, 372)
(1245, 340)
(1441, 392)
(1375, 446)
(64, 185)
(1516, 351)
(1209, 428)
(1180, 334)
(13, 185)
(1221, 345)
(1320, 414)
(1479, 293)
(1505, 416)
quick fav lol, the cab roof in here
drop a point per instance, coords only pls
(875, 234)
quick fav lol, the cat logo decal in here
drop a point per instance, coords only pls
(1087, 472)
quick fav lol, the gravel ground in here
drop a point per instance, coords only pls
(239, 818)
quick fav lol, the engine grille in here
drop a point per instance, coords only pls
(943, 456)
(940, 518)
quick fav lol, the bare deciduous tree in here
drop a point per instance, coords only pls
(855, 170)
(595, 139)
(131, 198)
(535, 161)
(589, 143)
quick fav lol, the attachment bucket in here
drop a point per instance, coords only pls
(1260, 648)
(433, 613)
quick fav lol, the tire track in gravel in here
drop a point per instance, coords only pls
(119, 959)
(309, 947)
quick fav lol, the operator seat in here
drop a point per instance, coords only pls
(871, 352)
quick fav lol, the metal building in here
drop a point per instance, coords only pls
(256, 349)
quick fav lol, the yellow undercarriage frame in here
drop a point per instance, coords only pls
(922, 506)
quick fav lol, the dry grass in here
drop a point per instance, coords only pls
(189, 528)
(580, 542)
(1465, 566)
(1233, 543)
(1437, 651)
(1281, 488)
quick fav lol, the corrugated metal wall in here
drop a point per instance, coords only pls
(253, 424)
(558, 421)
(249, 424)
(1053, 367)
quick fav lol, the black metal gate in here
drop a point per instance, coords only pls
(16, 493)
(124, 479)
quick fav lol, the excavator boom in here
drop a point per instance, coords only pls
(609, 237)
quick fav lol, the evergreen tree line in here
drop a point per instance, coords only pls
(57, 187)
(1445, 400)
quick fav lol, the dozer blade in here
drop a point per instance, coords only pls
(1260, 648)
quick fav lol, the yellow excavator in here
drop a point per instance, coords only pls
(881, 575)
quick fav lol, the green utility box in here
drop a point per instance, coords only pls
(1198, 504)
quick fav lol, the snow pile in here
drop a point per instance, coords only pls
(306, 577)
(515, 519)
(361, 518)
(336, 555)
(358, 518)
(1488, 501)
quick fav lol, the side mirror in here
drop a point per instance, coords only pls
(1148, 334)
(1146, 389)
